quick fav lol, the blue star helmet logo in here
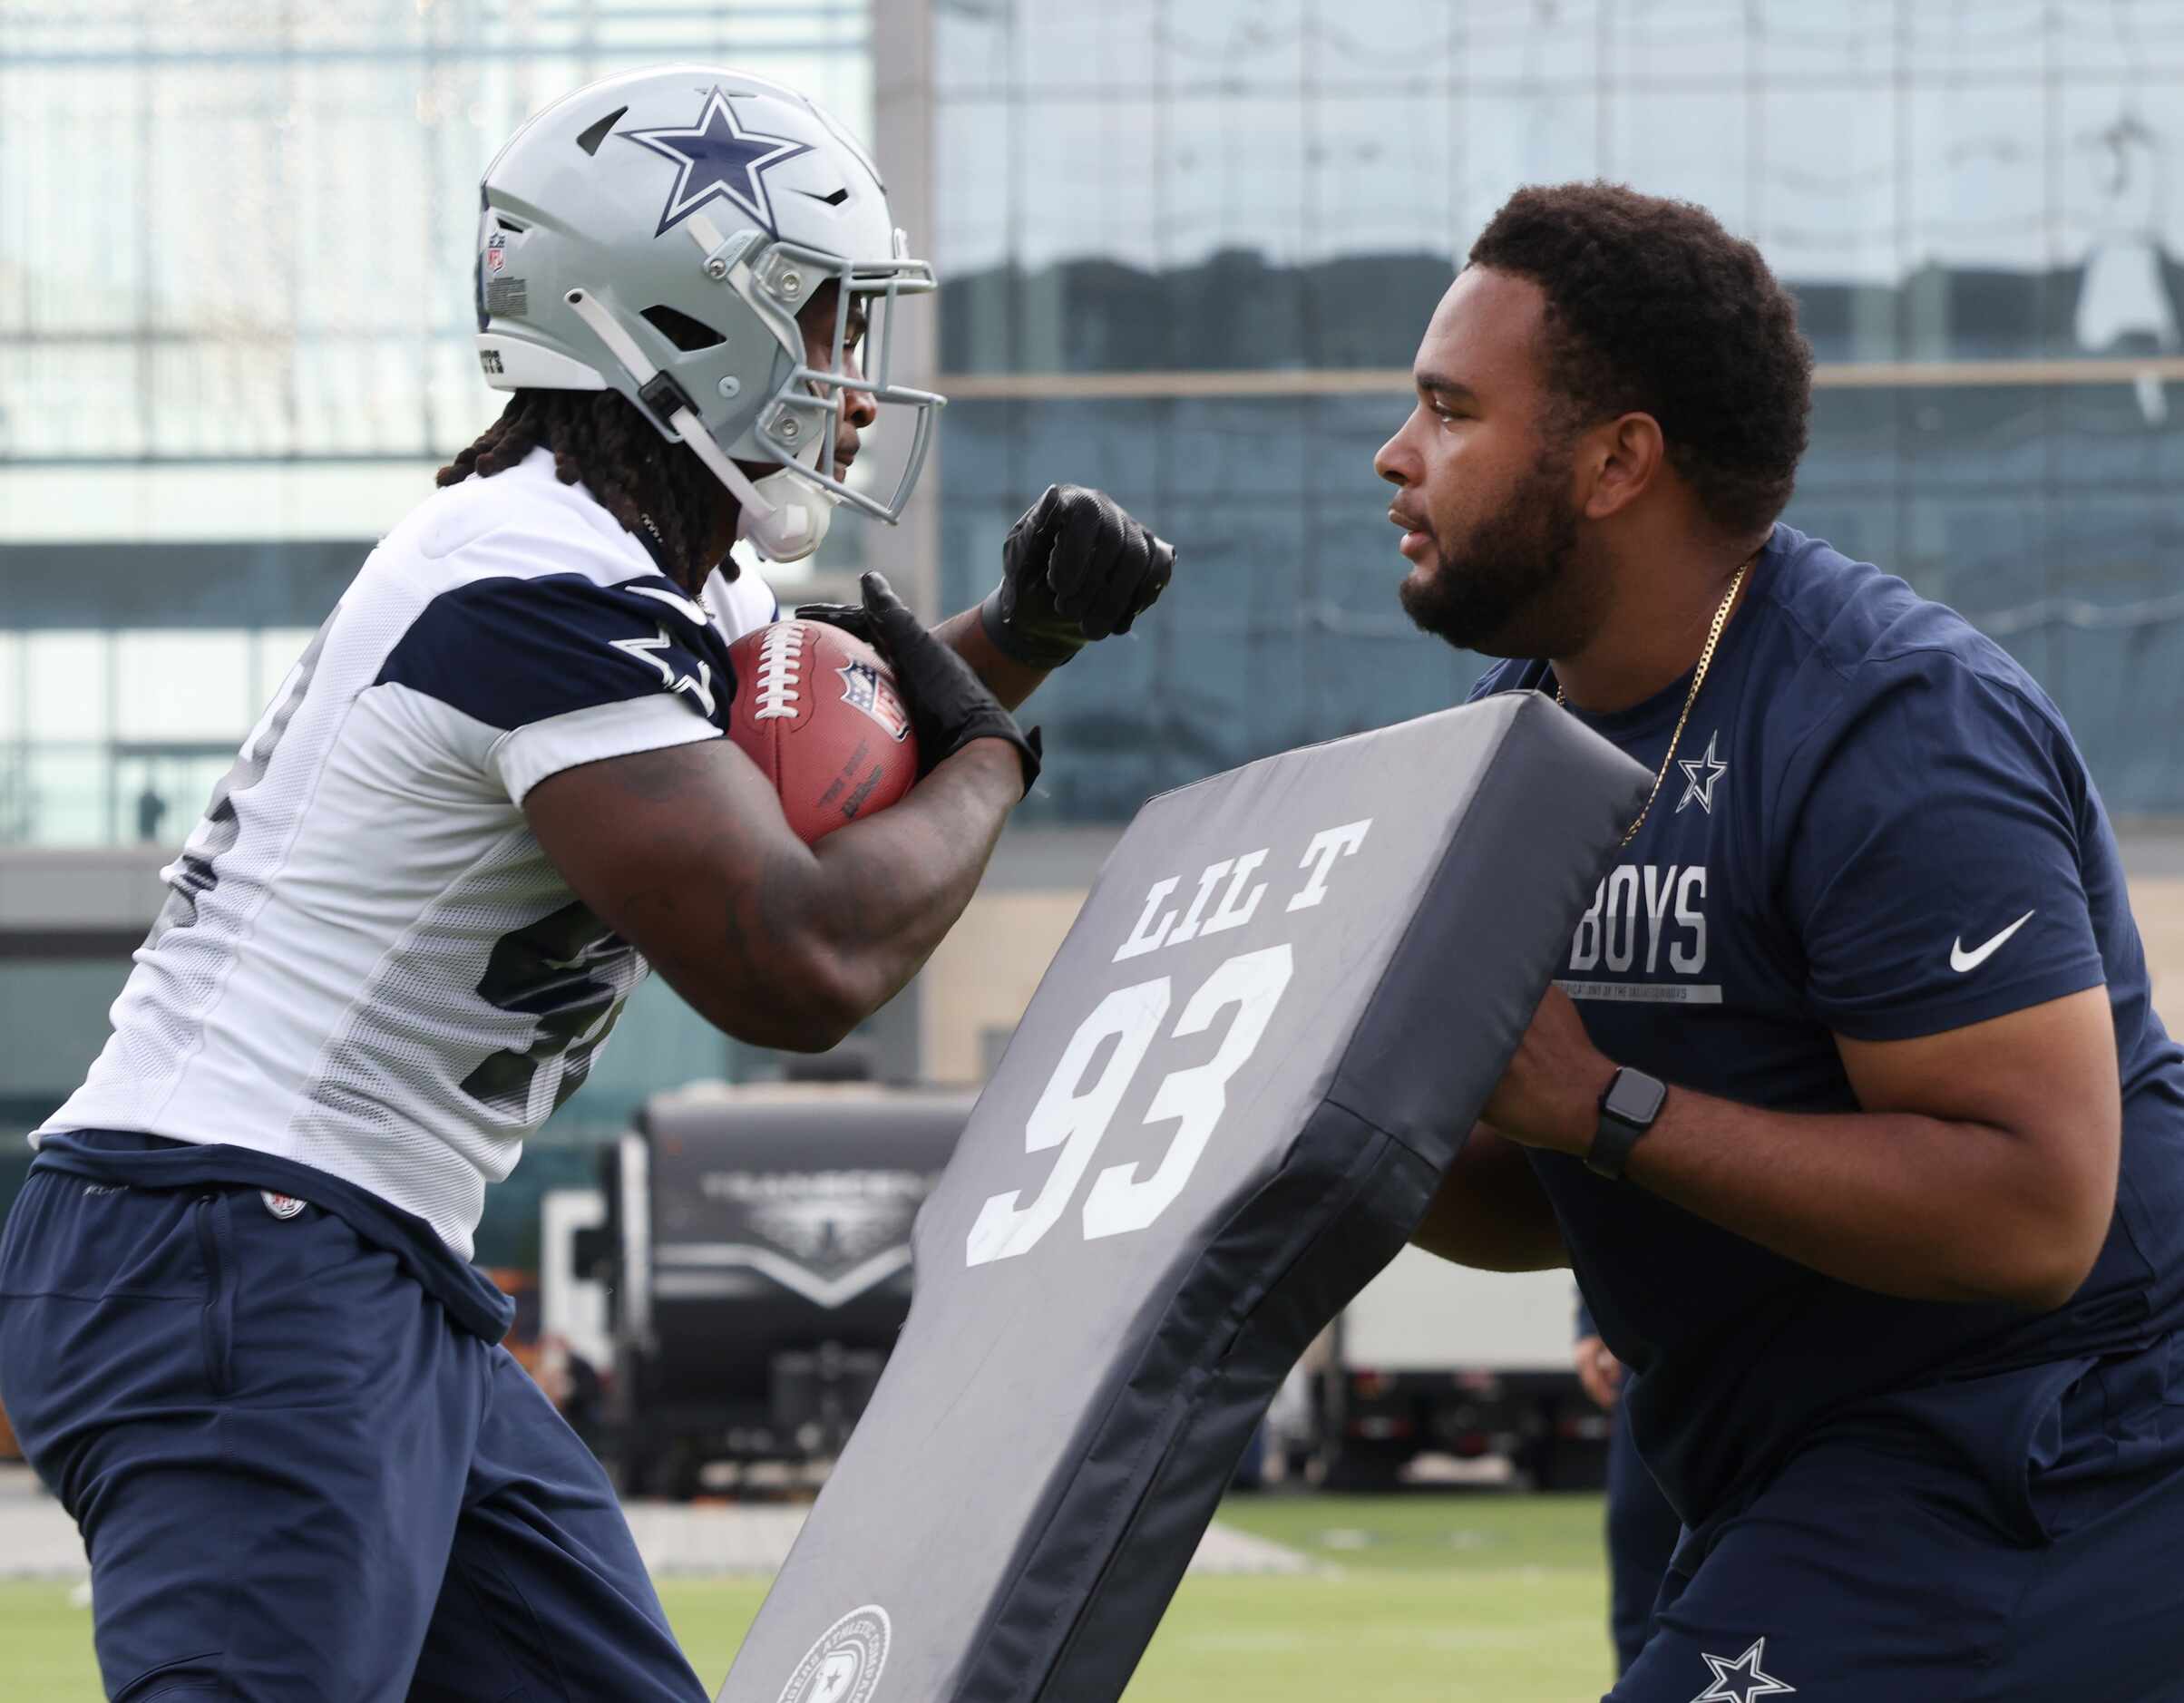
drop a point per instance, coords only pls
(718, 161)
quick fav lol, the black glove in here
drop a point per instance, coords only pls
(1074, 568)
(949, 705)
(851, 618)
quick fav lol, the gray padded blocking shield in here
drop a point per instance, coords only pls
(1192, 1155)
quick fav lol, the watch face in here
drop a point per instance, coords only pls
(1634, 1098)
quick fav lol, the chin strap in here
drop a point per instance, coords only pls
(781, 516)
(790, 521)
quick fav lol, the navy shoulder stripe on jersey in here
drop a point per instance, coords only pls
(510, 651)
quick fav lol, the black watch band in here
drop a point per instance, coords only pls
(1627, 1110)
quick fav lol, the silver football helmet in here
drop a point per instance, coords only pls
(656, 232)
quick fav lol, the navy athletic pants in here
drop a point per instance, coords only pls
(1642, 1530)
(296, 1477)
(1879, 1566)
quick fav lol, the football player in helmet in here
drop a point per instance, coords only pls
(240, 1335)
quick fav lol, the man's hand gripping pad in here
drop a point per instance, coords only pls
(1278, 1015)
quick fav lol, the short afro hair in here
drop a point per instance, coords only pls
(1653, 308)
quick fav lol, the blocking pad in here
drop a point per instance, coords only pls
(1276, 1017)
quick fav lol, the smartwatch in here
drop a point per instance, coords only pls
(1627, 1110)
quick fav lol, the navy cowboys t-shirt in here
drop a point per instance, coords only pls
(1877, 826)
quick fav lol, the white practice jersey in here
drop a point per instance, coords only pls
(365, 964)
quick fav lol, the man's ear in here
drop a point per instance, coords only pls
(1622, 457)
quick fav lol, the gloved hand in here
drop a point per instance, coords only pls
(1076, 567)
(949, 705)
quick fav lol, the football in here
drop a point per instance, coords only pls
(818, 710)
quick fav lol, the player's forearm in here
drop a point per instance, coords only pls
(1490, 1212)
(888, 887)
(1007, 678)
(1921, 1207)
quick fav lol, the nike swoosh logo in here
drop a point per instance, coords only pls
(1961, 960)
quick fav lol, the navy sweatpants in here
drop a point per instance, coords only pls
(1878, 1567)
(1641, 1529)
(296, 1477)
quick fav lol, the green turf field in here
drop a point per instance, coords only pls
(1430, 1599)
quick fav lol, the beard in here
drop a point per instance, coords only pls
(1487, 594)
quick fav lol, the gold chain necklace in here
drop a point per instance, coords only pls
(1713, 638)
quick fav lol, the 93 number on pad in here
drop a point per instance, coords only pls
(1077, 1105)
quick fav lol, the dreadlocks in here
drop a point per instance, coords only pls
(601, 441)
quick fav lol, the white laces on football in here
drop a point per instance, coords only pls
(779, 653)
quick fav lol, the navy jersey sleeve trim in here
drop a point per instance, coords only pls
(509, 651)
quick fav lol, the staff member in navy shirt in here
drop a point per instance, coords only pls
(1849, 1108)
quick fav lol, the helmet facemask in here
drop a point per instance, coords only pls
(798, 427)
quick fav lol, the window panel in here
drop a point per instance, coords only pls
(194, 245)
(1977, 192)
(1995, 436)
(11, 685)
(69, 796)
(1856, 443)
(977, 444)
(1531, 42)
(1981, 553)
(1115, 445)
(1253, 47)
(1825, 205)
(1259, 447)
(1380, 176)
(974, 162)
(1233, 172)
(2102, 36)
(1535, 135)
(183, 688)
(2120, 434)
(1990, 36)
(66, 681)
(1347, 432)
(1393, 47)
(972, 48)
(1686, 142)
(1845, 41)
(1862, 525)
(1086, 184)
(1687, 42)
(1115, 50)
(1365, 664)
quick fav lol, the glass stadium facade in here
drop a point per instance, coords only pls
(235, 287)
(1188, 246)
